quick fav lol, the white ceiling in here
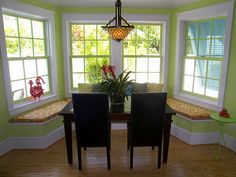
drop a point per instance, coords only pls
(125, 3)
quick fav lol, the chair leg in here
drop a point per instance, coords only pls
(108, 158)
(128, 134)
(79, 158)
(159, 156)
(131, 156)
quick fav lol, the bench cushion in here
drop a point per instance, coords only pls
(41, 114)
(189, 110)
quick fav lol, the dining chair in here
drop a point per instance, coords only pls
(92, 125)
(146, 125)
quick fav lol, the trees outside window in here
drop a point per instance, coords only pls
(142, 53)
(90, 49)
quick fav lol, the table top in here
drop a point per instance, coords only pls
(68, 109)
(218, 118)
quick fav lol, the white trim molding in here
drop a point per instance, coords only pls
(31, 142)
(27, 10)
(202, 138)
(116, 47)
(217, 10)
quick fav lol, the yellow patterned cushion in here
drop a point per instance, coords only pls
(189, 110)
(154, 87)
(41, 114)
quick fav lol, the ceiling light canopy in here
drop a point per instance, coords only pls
(121, 27)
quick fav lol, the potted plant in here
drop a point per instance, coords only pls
(115, 86)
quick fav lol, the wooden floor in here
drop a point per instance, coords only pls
(184, 161)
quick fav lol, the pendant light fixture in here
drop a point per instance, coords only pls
(121, 27)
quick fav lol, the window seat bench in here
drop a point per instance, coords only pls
(189, 110)
(41, 114)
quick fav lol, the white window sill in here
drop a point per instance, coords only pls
(212, 105)
(31, 104)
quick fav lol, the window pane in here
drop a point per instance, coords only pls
(101, 33)
(199, 85)
(16, 70)
(154, 47)
(38, 30)
(141, 77)
(77, 65)
(212, 88)
(90, 48)
(42, 67)
(193, 28)
(154, 77)
(154, 32)
(10, 25)
(78, 48)
(191, 48)
(39, 49)
(200, 69)
(25, 27)
(129, 64)
(18, 90)
(102, 61)
(90, 31)
(12, 45)
(188, 83)
(217, 48)
(213, 70)
(154, 65)
(205, 30)
(204, 47)
(141, 32)
(189, 67)
(46, 86)
(103, 48)
(129, 47)
(77, 32)
(142, 65)
(141, 47)
(76, 78)
(26, 47)
(30, 68)
(219, 28)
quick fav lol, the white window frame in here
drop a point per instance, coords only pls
(43, 14)
(222, 9)
(116, 47)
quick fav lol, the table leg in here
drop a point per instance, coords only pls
(68, 137)
(167, 127)
(221, 136)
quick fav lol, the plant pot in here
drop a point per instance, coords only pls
(117, 107)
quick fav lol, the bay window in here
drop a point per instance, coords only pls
(28, 53)
(202, 52)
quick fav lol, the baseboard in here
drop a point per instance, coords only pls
(202, 138)
(31, 142)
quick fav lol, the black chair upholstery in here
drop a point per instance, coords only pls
(92, 124)
(146, 126)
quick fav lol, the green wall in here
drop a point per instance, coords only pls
(7, 130)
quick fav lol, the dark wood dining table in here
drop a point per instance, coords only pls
(118, 117)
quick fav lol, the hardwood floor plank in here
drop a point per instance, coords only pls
(184, 161)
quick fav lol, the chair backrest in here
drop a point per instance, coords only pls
(91, 119)
(147, 114)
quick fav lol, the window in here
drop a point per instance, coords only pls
(203, 57)
(142, 53)
(87, 47)
(202, 52)
(90, 49)
(26, 53)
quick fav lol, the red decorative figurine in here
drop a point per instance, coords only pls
(224, 113)
(36, 91)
